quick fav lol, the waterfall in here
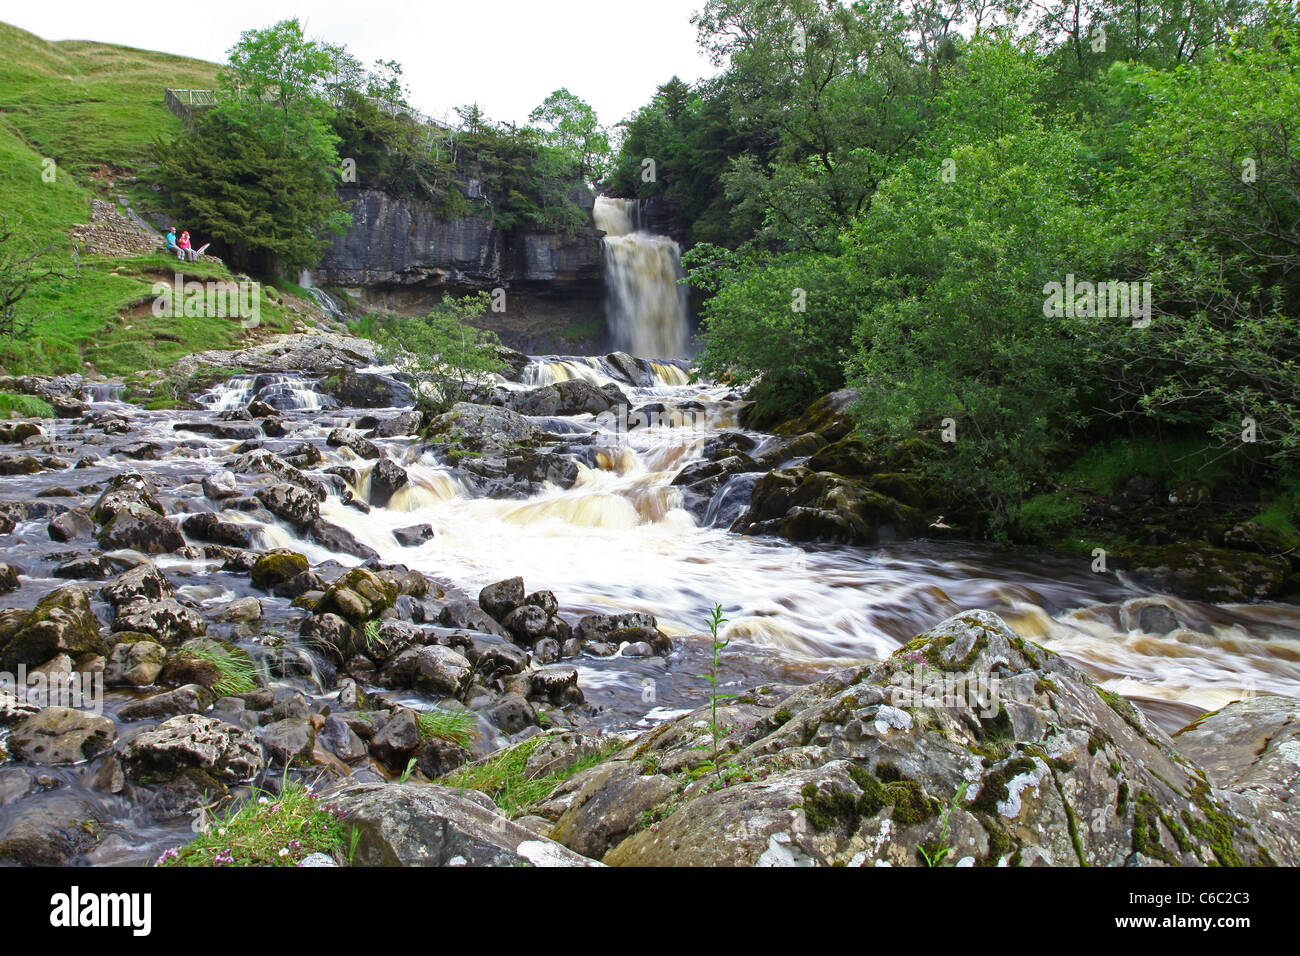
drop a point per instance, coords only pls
(646, 306)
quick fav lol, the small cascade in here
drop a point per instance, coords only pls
(327, 302)
(646, 304)
(284, 392)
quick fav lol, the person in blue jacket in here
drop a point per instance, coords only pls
(171, 244)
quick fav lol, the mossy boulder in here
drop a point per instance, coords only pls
(61, 623)
(358, 596)
(1205, 573)
(800, 504)
(969, 746)
(277, 567)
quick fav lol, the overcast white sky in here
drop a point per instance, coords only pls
(506, 55)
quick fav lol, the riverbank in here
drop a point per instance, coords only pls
(298, 573)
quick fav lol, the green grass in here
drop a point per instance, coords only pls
(269, 830)
(238, 672)
(503, 778)
(1103, 468)
(456, 726)
(95, 109)
(1282, 506)
(24, 406)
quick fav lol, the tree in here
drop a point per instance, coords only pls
(569, 125)
(445, 349)
(23, 268)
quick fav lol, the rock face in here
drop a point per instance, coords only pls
(1023, 762)
(398, 242)
(422, 825)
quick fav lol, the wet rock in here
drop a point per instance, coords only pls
(140, 585)
(189, 742)
(513, 714)
(339, 540)
(206, 526)
(308, 583)
(71, 525)
(189, 699)
(362, 390)
(8, 577)
(341, 740)
(432, 668)
(572, 397)
(15, 709)
(232, 431)
(358, 596)
(15, 433)
(52, 831)
(166, 621)
(19, 465)
(61, 622)
(85, 568)
(557, 684)
(802, 505)
(527, 624)
(277, 567)
(140, 529)
(414, 536)
(220, 485)
(134, 663)
(241, 611)
(294, 504)
(494, 656)
(61, 735)
(1206, 573)
(1251, 747)
(501, 598)
(385, 478)
(289, 741)
(332, 636)
(353, 440)
(485, 429)
(599, 627)
(427, 825)
(397, 739)
(435, 757)
(407, 423)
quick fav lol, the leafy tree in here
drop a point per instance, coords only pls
(569, 125)
(445, 349)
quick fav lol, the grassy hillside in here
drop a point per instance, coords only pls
(95, 109)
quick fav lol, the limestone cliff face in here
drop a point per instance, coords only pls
(401, 243)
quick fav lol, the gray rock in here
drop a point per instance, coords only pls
(134, 663)
(433, 669)
(189, 699)
(220, 485)
(61, 735)
(191, 741)
(414, 536)
(294, 504)
(289, 741)
(385, 478)
(501, 598)
(426, 825)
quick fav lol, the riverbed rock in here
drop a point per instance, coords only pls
(294, 504)
(432, 668)
(167, 621)
(61, 622)
(484, 429)
(139, 528)
(192, 741)
(501, 598)
(61, 736)
(1206, 573)
(52, 831)
(71, 525)
(896, 763)
(357, 596)
(134, 663)
(289, 741)
(572, 397)
(188, 699)
(220, 485)
(139, 585)
(385, 479)
(408, 824)
(414, 536)
(207, 526)
(276, 567)
(800, 504)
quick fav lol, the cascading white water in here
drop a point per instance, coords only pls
(645, 303)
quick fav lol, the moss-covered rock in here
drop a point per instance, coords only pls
(358, 596)
(277, 567)
(61, 623)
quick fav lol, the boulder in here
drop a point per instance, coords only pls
(71, 525)
(293, 503)
(501, 598)
(206, 526)
(61, 735)
(385, 478)
(357, 596)
(407, 824)
(484, 429)
(189, 699)
(432, 668)
(193, 742)
(134, 663)
(353, 440)
(968, 746)
(276, 567)
(414, 536)
(61, 623)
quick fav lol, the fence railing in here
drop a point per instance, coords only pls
(185, 103)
